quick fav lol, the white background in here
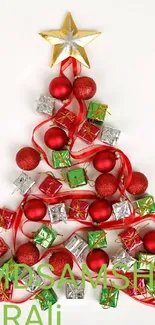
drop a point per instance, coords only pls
(123, 65)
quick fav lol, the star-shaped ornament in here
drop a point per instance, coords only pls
(69, 42)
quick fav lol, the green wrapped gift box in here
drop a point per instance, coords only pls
(45, 236)
(97, 239)
(145, 205)
(97, 112)
(76, 177)
(109, 297)
(46, 298)
(145, 260)
(61, 159)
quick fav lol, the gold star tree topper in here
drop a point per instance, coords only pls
(69, 42)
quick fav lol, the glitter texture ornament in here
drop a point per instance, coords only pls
(110, 135)
(138, 184)
(50, 186)
(37, 281)
(28, 158)
(76, 245)
(88, 132)
(28, 254)
(106, 185)
(23, 183)
(45, 104)
(123, 257)
(58, 260)
(84, 88)
(74, 293)
(57, 212)
(122, 210)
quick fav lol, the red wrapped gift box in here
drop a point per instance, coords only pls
(65, 118)
(50, 186)
(88, 133)
(6, 218)
(5, 294)
(140, 290)
(130, 238)
(3, 247)
(78, 209)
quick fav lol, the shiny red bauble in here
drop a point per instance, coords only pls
(100, 210)
(106, 185)
(60, 88)
(27, 254)
(84, 88)
(149, 241)
(138, 184)
(34, 210)
(55, 138)
(58, 260)
(28, 158)
(104, 161)
(96, 258)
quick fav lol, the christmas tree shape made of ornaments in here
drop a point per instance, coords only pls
(113, 198)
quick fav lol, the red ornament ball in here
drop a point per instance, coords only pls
(100, 210)
(58, 260)
(149, 241)
(28, 158)
(60, 88)
(106, 185)
(96, 258)
(84, 88)
(55, 138)
(27, 254)
(104, 161)
(138, 184)
(34, 210)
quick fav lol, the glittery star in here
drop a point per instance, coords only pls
(69, 42)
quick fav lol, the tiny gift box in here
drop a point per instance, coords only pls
(6, 293)
(88, 132)
(123, 257)
(145, 260)
(145, 205)
(122, 210)
(45, 236)
(37, 281)
(57, 212)
(23, 183)
(74, 293)
(76, 177)
(76, 245)
(109, 297)
(61, 159)
(45, 104)
(130, 238)
(7, 218)
(3, 247)
(139, 290)
(110, 135)
(65, 118)
(50, 186)
(97, 239)
(97, 112)
(78, 209)
(151, 289)
(46, 298)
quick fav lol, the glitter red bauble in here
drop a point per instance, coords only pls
(96, 258)
(149, 241)
(34, 210)
(84, 88)
(27, 254)
(55, 138)
(138, 184)
(58, 260)
(106, 185)
(60, 88)
(28, 158)
(104, 161)
(100, 210)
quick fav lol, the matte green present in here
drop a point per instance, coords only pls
(11, 269)
(97, 112)
(45, 236)
(46, 298)
(151, 289)
(145, 260)
(61, 159)
(76, 177)
(145, 205)
(109, 297)
(97, 239)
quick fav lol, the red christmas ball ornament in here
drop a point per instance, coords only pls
(58, 260)
(106, 185)
(55, 138)
(34, 210)
(138, 184)
(104, 161)
(96, 258)
(84, 88)
(28, 158)
(27, 254)
(100, 210)
(149, 241)
(60, 88)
